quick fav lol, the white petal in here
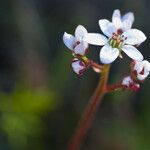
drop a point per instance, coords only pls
(132, 52)
(142, 77)
(146, 66)
(138, 66)
(80, 32)
(69, 40)
(108, 54)
(116, 19)
(127, 20)
(81, 48)
(95, 39)
(134, 36)
(107, 27)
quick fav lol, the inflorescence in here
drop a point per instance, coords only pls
(118, 36)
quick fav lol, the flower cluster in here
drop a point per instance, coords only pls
(78, 47)
(139, 71)
(119, 36)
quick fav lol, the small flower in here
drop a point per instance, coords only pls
(129, 83)
(120, 37)
(76, 43)
(141, 69)
(78, 66)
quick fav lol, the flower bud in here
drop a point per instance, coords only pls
(141, 69)
(78, 66)
(129, 83)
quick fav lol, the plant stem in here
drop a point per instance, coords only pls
(90, 110)
(114, 87)
(100, 67)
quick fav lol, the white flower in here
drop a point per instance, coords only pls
(141, 69)
(129, 83)
(120, 37)
(76, 43)
(78, 66)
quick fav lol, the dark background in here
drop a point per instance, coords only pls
(41, 99)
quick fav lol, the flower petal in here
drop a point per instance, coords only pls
(107, 27)
(95, 39)
(138, 67)
(127, 20)
(80, 32)
(108, 54)
(142, 69)
(142, 77)
(147, 65)
(132, 52)
(69, 40)
(134, 36)
(81, 48)
(116, 19)
(127, 81)
(78, 66)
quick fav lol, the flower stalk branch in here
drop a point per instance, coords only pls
(90, 110)
(114, 87)
(91, 63)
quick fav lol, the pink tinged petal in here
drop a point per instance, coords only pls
(80, 32)
(132, 52)
(108, 54)
(134, 36)
(95, 39)
(116, 19)
(142, 77)
(80, 49)
(78, 66)
(142, 68)
(127, 20)
(69, 40)
(107, 27)
(127, 81)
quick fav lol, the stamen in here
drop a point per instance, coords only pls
(117, 39)
(78, 42)
(119, 31)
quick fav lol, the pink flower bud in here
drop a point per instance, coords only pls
(78, 66)
(141, 69)
(129, 83)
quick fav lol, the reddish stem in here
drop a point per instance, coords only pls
(114, 87)
(90, 110)
(93, 64)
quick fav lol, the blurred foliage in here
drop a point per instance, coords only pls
(21, 114)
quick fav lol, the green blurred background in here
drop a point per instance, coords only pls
(41, 99)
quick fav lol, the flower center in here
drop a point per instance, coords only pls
(117, 40)
(77, 43)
